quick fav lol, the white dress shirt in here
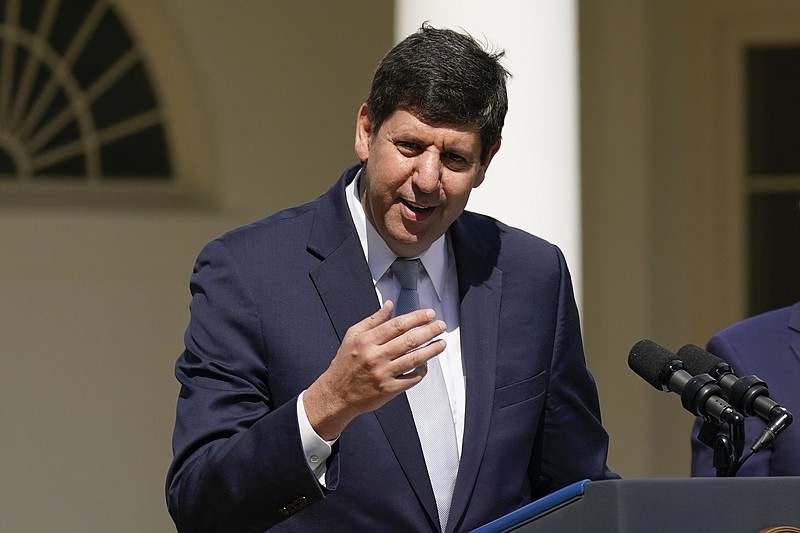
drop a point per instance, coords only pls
(438, 290)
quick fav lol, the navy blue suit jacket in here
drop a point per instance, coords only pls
(271, 304)
(767, 345)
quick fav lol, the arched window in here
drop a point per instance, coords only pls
(77, 107)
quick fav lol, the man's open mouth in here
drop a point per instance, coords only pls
(417, 208)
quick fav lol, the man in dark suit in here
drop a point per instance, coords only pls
(299, 408)
(768, 346)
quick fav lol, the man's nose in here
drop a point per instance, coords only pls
(428, 171)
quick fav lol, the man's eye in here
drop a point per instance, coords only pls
(455, 162)
(407, 147)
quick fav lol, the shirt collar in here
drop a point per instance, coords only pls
(378, 255)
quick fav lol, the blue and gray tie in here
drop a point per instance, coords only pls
(429, 402)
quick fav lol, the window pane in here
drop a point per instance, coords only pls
(139, 154)
(773, 118)
(81, 110)
(774, 250)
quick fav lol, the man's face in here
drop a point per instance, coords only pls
(416, 178)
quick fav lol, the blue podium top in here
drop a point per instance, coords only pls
(529, 512)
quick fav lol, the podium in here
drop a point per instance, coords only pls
(682, 505)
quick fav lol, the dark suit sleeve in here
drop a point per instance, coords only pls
(571, 442)
(703, 455)
(238, 460)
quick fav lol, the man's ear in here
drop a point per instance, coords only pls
(482, 173)
(363, 133)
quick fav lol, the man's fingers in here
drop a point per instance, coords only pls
(380, 328)
(400, 325)
(415, 338)
(413, 376)
(374, 320)
(411, 366)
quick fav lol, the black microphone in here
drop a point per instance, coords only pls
(699, 394)
(749, 394)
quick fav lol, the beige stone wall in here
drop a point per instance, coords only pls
(262, 96)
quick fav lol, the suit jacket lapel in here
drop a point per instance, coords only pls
(344, 284)
(794, 323)
(342, 277)
(480, 289)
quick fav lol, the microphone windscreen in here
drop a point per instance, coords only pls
(648, 359)
(697, 360)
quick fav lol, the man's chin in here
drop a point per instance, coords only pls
(408, 245)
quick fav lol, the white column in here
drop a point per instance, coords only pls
(533, 182)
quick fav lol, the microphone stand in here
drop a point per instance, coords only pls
(700, 395)
(727, 445)
(750, 394)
